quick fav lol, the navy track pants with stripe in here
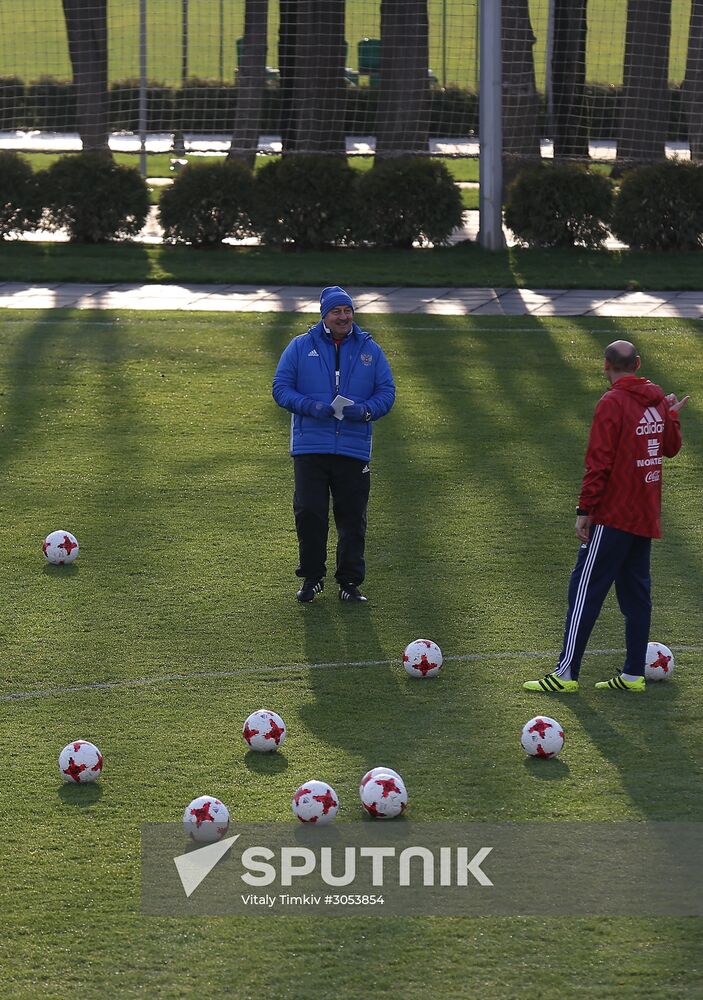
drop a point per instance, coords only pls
(611, 556)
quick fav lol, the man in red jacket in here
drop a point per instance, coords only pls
(635, 426)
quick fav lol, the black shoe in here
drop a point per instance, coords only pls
(350, 592)
(309, 591)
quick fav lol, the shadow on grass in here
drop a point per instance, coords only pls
(458, 266)
(355, 708)
(477, 483)
(553, 769)
(68, 383)
(510, 389)
(56, 572)
(83, 796)
(626, 731)
(265, 763)
(633, 734)
(31, 396)
(51, 262)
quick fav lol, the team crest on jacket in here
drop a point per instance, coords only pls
(366, 359)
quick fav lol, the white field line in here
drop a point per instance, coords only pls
(296, 668)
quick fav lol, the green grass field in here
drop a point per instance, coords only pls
(154, 438)
(461, 266)
(33, 38)
(159, 164)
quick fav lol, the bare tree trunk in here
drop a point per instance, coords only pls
(311, 63)
(86, 26)
(251, 79)
(645, 102)
(569, 79)
(693, 82)
(403, 104)
(520, 103)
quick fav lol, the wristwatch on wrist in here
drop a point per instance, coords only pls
(368, 414)
(580, 512)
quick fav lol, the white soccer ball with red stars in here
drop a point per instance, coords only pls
(422, 658)
(206, 819)
(264, 731)
(542, 737)
(60, 547)
(315, 802)
(80, 762)
(384, 796)
(378, 770)
(659, 663)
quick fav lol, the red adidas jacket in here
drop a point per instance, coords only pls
(633, 430)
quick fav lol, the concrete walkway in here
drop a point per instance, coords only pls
(304, 299)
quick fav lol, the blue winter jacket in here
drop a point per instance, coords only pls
(306, 373)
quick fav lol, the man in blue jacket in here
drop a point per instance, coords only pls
(330, 455)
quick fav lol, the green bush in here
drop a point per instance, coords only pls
(602, 103)
(559, 205)
(94, 198)
(453, 111)
(19, 206)
(124, 106)
(11, 102)
(360, 110)
(51, 104)
(208, 202)
(305, 199)
(660, 207)
(405, 199)
(205, 106)
(210, 106)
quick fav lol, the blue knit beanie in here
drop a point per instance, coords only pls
(333, 296)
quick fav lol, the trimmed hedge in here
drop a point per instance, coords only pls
(50, 104)
(207, 203)
(94, 198)
(314, 201)
(559, 205)
(124, 107)
(12, 97)
(306, 199)
(210, 106)
(405, 199)
(660, 207)
(19, 202)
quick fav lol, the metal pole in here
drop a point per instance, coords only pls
(184, 42)
(444, 43)
(222, 39)
(490, 235)
(142, 86)
(548, 62)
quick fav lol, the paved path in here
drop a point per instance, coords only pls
(36, 140)
(304, 299)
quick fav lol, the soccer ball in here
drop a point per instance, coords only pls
(422, 658)
(80, 762)
(264, 731)
(379, 770)
(315, 802)
(60, 547)
(206, 819)
(659, 664)
(384, 796)
(542, 737)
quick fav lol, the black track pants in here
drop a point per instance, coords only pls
(611, 556)
(348, 481)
